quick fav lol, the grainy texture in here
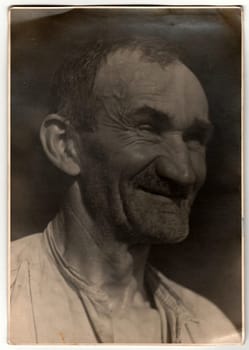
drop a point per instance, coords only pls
(208, 41)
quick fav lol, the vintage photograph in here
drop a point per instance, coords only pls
(125, 175)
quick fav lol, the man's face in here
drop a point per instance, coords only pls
(144, 164)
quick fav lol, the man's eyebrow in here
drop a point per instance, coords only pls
(166, 120)
(202, 124)
(200, 130)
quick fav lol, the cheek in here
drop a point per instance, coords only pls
(134, 159)
(128, 154)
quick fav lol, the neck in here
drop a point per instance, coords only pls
(114, 267)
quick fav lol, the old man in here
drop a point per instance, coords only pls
(129, 124)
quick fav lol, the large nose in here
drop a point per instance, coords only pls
(174, 161)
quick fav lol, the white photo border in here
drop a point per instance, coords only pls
(4, 158)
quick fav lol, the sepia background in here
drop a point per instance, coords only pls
(209, 42)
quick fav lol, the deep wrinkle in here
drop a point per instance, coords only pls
(120, 261)
(122, 150)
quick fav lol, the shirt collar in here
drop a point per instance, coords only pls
(174, 315)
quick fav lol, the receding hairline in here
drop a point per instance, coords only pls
(124, 61)
(75, 82)
(148, 49)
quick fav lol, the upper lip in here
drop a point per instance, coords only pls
(174, 195)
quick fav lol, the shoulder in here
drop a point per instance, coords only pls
(214, 324)
(25, 256)
(24, 252)
(25, 249)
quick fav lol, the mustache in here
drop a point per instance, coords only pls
(148, 180)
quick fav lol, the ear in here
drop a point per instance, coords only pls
(59, 145)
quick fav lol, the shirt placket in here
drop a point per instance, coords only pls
(99, 317)
(176, 321)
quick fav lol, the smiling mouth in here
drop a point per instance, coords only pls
(178, 200)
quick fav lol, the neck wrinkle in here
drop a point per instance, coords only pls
(109, 266)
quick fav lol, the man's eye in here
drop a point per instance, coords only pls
(145, 127)
(198, 137)
(195, 145)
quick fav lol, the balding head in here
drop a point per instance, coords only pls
(148, 117)
(72, 93)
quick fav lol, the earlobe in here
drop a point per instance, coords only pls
(58, 145)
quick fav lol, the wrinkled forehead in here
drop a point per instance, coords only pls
(127, 78)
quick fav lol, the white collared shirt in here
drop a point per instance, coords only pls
(50, 304)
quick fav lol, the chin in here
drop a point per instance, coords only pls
(155, 237)
(168, 235)
(156, 219)
(157, 229)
